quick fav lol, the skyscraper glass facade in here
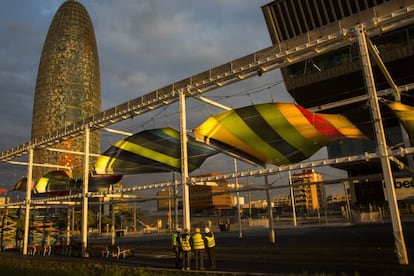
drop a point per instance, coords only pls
(68, 85)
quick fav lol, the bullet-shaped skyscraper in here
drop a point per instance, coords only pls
(68, 85)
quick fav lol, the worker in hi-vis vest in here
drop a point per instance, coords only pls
(210, 244)
(186, 249)
(198, 247)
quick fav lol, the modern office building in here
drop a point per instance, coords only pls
(67, 87)
(336, 75)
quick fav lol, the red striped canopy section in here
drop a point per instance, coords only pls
(275, 133)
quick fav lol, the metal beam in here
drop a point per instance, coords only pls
(120, 132)
(39, 165)
(362, 98)
(72, 151)
(365, 157)
(374, 53)
(213, 103)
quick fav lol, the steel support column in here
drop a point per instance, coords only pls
(292, 200)
(69, 214)
(85, 190)
(184, 162)
(270, 211)
(382, 145)
(236, 180)
(28, 199)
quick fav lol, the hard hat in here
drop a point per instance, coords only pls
(207, 230)
(178, 230)
(197, 230)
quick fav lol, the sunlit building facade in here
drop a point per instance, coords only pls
(309, 193)
(211, 197)
(67, 87)
(166, 200)
(205, 196)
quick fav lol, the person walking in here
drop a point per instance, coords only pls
(176, 246)
(210, 244)
(198, 247)
(186, 249)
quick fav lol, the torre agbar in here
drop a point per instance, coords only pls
(67, 87)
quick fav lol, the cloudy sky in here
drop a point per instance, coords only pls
(143, 45)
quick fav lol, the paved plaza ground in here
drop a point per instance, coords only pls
(328, 249)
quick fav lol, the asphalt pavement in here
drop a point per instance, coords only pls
(363, 249)
(326, 249)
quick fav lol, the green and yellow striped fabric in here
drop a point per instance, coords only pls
(274, 133)
(149, 151)
(21, 185)
(57, 180)
(405, 114)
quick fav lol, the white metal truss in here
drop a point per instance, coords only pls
(365, 157)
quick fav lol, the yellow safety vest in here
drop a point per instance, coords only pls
(174, 239)
(198, 242)
(210, 241)
(185, 243)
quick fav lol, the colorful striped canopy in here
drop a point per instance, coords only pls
(149, 151)
(21, 185)
(275, 133)
(98, 182)
(405, 114)
(58, 182)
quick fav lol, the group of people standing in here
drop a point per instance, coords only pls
(183, 244)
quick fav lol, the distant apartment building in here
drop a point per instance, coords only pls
(255, 204)
(309, 192)
(209, 197)
(282, 201)
(165, 201)
(203, 196)
(241, 201)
